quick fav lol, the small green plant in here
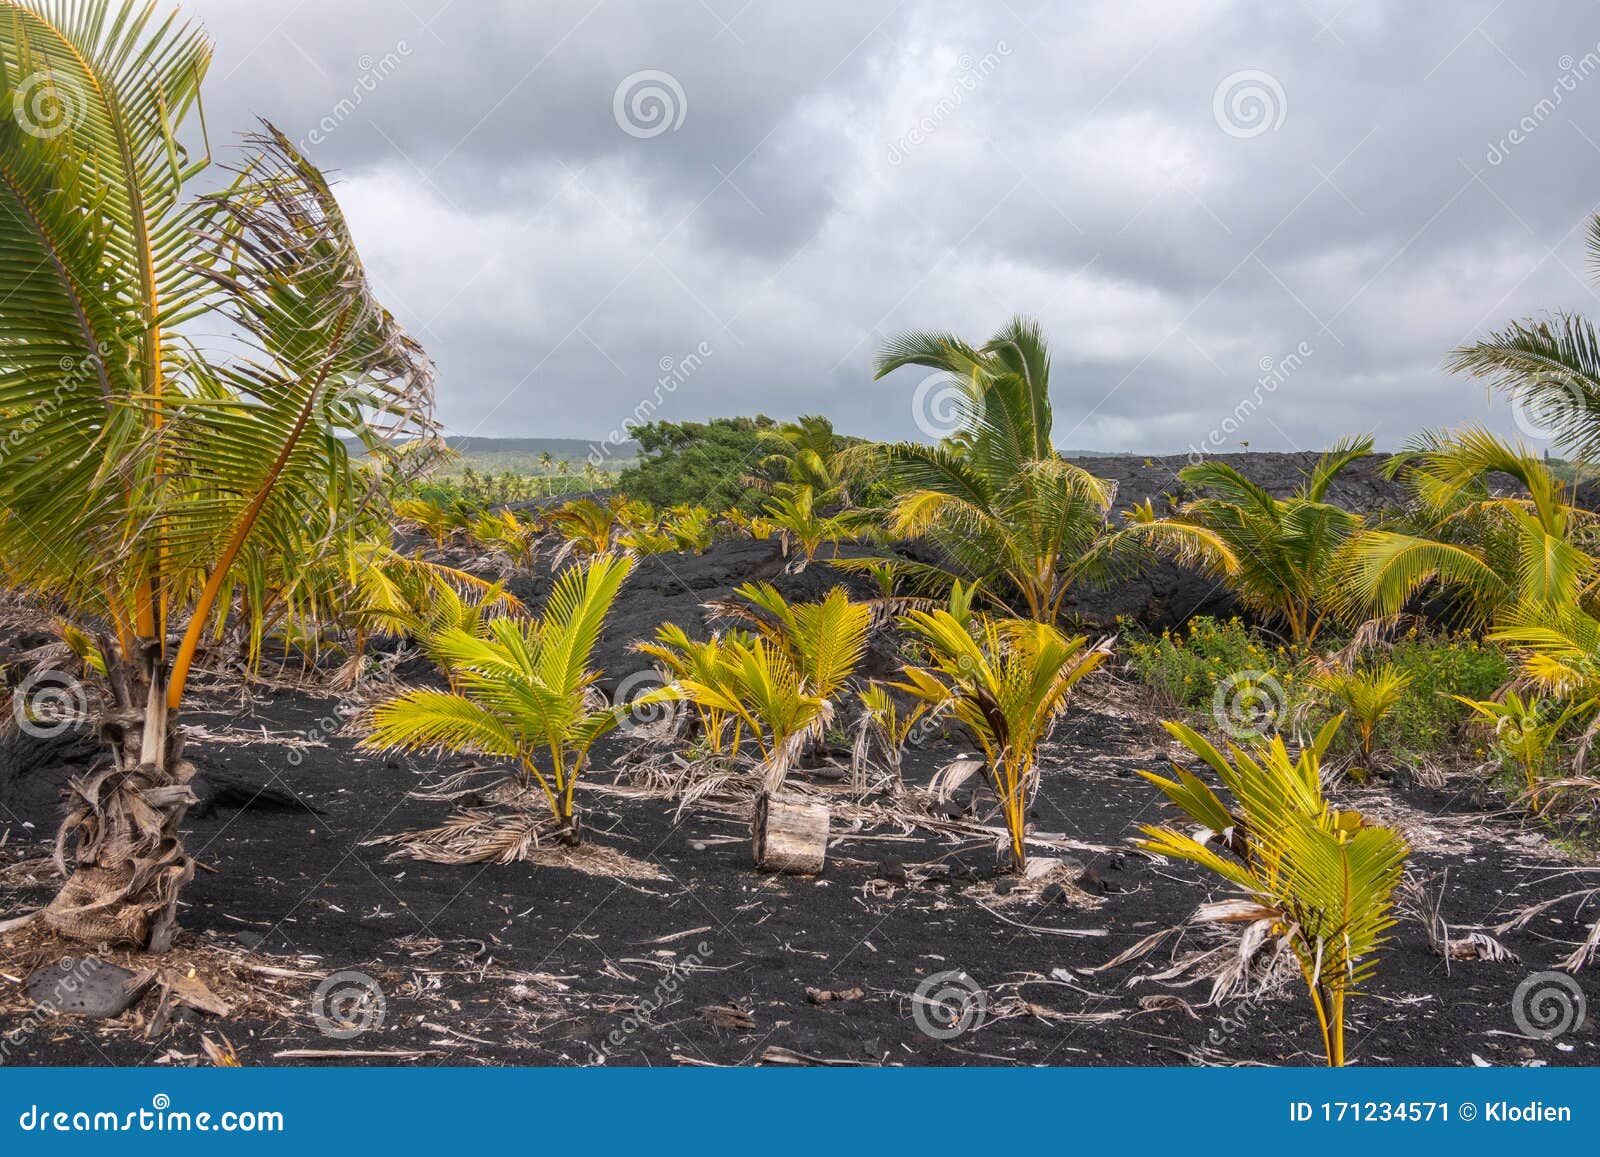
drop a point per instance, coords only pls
(502, 532)
(792, 511)
(1186, 669)
(1320, 879)
(1367, 696)
(884, 721)
(687, 660)
(1429, 718)
(1526, 731)
(691, 528)
(588, 527)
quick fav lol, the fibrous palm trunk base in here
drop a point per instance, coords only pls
(128, 864)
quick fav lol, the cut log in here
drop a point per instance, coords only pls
(790, 834)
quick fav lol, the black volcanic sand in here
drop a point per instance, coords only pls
(295, 889)
(537, 964)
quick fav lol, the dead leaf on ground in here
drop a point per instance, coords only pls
(827, 995)
(728, 1016)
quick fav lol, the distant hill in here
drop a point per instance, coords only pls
(522, 455)
(572, 449)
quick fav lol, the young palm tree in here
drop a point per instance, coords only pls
(891, 726)
(824, 641)
(1275, 554)
(690, 528)
(1320, 880)
(1006, 681)
(1526, 730)
(686, 660)
(994, 496)
(588, 527)
(145, 479)
(1367, 696)
(804, 453)
(757, 685)
(523, 693)
(792, 511)
(515, 539)
(780, 686)
(438, 520)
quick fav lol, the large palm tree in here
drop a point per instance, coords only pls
(1275, 554)
(995, 496)
(1550, 368)
(151, 488)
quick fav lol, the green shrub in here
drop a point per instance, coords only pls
(1186, 669)
(1427, 719)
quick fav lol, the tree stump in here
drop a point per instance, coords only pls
(789, 834)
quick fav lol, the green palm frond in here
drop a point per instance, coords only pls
(1328, 467)
(1550, 367)
(439, 721)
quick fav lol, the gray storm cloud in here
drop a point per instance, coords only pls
(1186, 193)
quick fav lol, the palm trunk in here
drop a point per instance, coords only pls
(1019, 846)
(128, 863)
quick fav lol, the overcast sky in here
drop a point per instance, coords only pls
(1182, 191)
